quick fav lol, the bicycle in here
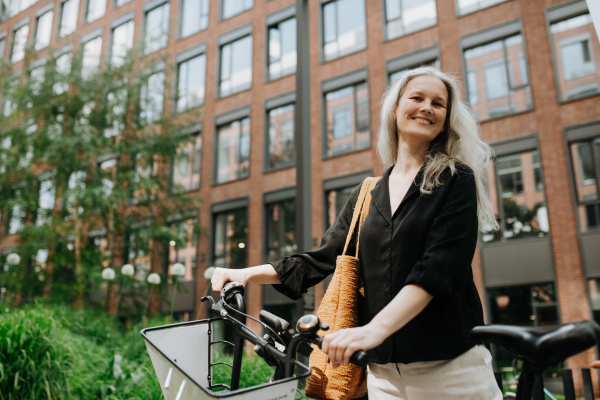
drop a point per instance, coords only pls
(184, 370)
(184, 367)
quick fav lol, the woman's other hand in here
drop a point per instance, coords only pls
(223, 275)
(339, 346)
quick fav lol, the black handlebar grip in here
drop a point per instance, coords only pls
(360, 359)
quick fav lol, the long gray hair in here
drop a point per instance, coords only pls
(459, 142)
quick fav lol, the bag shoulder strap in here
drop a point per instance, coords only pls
(361, 209)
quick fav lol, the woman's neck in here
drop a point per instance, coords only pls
(410, 158)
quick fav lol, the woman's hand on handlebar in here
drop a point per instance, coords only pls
(223, 275)
(339, 346)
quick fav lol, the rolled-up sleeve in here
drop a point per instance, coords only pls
(445, 265)
(299, 272)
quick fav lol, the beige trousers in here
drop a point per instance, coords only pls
(468, 376)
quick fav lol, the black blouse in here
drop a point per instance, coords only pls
(429, 241)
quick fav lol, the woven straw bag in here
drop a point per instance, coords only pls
(341, 308)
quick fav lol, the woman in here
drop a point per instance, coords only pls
(416, 248)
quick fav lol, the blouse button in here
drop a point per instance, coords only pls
(387, 288)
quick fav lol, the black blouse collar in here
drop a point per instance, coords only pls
(381, 194)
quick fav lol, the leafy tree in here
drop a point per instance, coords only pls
(84, 156)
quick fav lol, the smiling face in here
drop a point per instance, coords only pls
(421, 110)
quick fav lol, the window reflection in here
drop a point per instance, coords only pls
(236, 66)
(576, 48)
(233, 151)
(282, 48)
(183, 248)
(516, 187)
(281, 229)
(20, 36)
(92, 50)
(95, 10)
(194, 16)
(191, 75)
(43, 30)
(469, 6)
(229, 8)
(280, 139)
(585, 159)
(157, 28)
(347, 120)
(68, 17)
(230, 239)
(152, 97)
(335, 201)
(185, 168)
(398, 74)
(406, 16)
(344, 28)
(499, 70)
(122, 42)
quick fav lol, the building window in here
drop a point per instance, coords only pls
(528, 305)
(575, 49)
(14, 7)
(281, 52)
(157, 27)
(107, 171)
(344, 28)
(347, 119)
(2, 47)
(152, 97)
(47, 193)
(594, 289)
(230, 233)
(280, 137)
(92, 51)
(95, 9)
(122, 42)
(16, 220)
(281, 229)
(119, 3)
(43, 30)
(469, 6)
(69, 10)
(334, 202)
(229, 8)
(235, 73)
(233, 151)
(63, 68)
(406, 16)
(517, 194)
(183, 248)
(500, 72)
(585, 164)
(137, 249)
(193, 17)
(397, 67)
(19, 43)
(191, 75)
(186, 165)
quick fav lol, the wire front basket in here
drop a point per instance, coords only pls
(182, 358)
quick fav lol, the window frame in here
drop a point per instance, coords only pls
(489, 35)
(180, 58)
(225, 207)
(222, 18)
(147, 8)
(458, 14)
(59, 20)
(412, 60)
(321, 30)
(227, 39)
(192, 131)
(269, 104)
(114, 24)
(275, 19)
(18, 25)
(271, 198)
(341, 182)
(38, 14)
(384, 22)
(223, 119)
(86, 9)
(180, 18)
(558, 13)
(85, 39)
(352, 79)
(3, 35)
(157, 68)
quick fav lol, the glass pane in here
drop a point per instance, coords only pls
(45, 202)
(233, 160)
(183, 250)
(44, 30)
(345, 31)
(236, 66)
(2, 48)
(186, 165)
(280, 140)
(273, 229)
(157, 28)
(96, 9)
(406, 16)
(122, 42)
(68, 18)
(282, 49)
(19, 43)
(498, 78)
(469, 6)
(231, 239)
(194, 16)
(335, 202)
(585, 156)
(347, 120)
(190, 87)
(397, 75)
(91, 57)
(288, 211)
(152, 97)
(234, 7)
(576, 48)
(594, 288)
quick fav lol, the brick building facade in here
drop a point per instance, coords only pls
(529, 69)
